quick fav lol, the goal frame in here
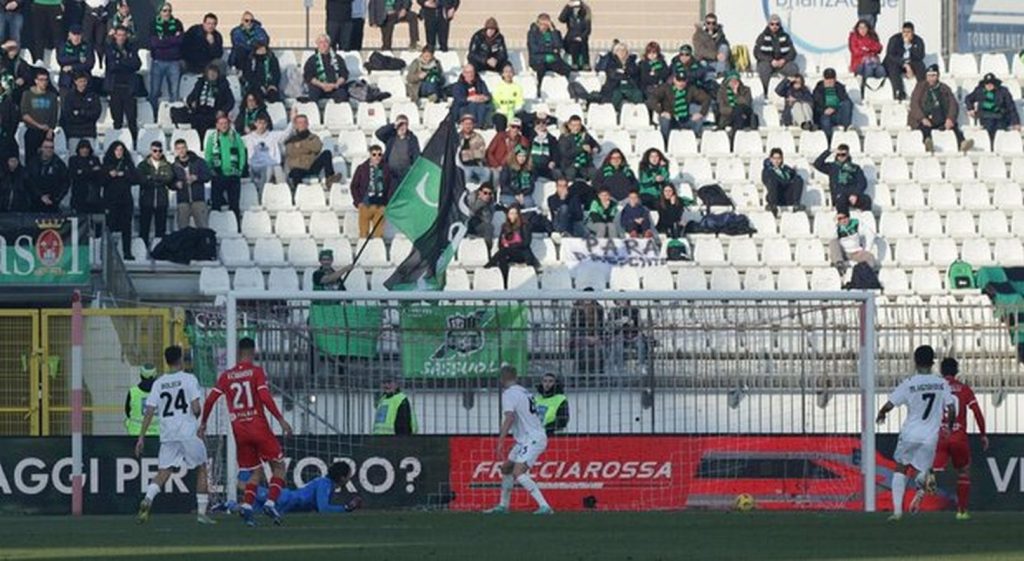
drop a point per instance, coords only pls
(864, 300)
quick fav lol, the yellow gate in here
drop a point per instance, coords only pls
(19, 373)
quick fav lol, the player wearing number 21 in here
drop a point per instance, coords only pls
(174, 400)
(247, 394)
(927, 397)
(519, 416)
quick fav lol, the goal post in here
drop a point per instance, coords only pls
(736, 389)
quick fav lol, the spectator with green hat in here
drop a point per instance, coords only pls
(327, 277)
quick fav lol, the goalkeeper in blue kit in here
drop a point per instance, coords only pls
(314, 496)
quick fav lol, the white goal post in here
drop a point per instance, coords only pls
(741, 345)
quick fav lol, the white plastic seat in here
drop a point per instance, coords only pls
(792, 279)
(715, 143)
(624, 278)
(810, 253)
(910, 143)
(991, 168)
(960, 224)
(276, 197)
(691, 278)
(256, 224)
(616, 139)
(709, 251)
(472, 252)
(434, 114)
(894, 281)
(910, 253)
(963, 65)
(249, 280)
(214, 280)
(814, 197)
(824, 225)
(782, 140)
(927, 224)
(992, 224)
(743, 253)
(794, 225)
(812, 144)
(894, 170)
(234, 252)
(697, 171)
(725, 279)
(825, 279)
(375, 254)
(764, 223)
(759, 279)
(942, 252)
(249, 199)
(310, 198)
(893, 117)
(1009, 252)
(975, 196)
(225, 224)
(894, 224)
(545, 251)
(747, 143)
(995, 63)
(341, 248)
(400, 248)
(1008, 143)
(927, 170)
(522, 279)
(268, 252)
(371, 116)
(601, 117)
(977, 252)
(303, 252)
(457, 280)
(357, 281)
(488, 280)
(959, 169)
(648, 139)
(775, 252)
(283, 279)
(147, 136)
(730, 170)
(657, 279)
(290, 224)
(945, 143)
(926, 281)
(910, 197)
(681, 143)
(557, 278)
(634, 117)
(1017, 223)
(324, 225)
(849, 138)
(1008, 196)
(879, 144)
(942, 196)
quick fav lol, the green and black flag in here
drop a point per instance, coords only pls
(426, 208)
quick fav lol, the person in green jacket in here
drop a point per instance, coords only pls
(394, 415)
(601, 215)
(507, 96)
(552, 405)
(654, 175)
(226, 155)
(135, 401)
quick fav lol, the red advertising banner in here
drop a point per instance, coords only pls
(674, 472)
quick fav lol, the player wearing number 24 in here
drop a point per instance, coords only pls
(247, 394)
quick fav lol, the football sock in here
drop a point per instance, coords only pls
(921, 480)
(202, 499)
(963, 491)
(530, 485)
(250, 494)
(276, 484)
(507, 483)
(899, 486)
(152, 491)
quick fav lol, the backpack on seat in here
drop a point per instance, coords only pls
(863, 277)
(961, 275)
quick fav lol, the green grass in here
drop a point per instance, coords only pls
(422, 536)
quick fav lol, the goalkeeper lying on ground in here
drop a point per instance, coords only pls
(314, 496)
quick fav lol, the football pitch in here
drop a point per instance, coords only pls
(430, 536)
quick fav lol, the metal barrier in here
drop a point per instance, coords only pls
(19, 372)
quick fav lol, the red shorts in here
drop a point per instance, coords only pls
(256, 445)
(952, 447)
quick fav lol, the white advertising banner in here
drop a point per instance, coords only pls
(822, 26)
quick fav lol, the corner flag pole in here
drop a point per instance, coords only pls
(77, 478)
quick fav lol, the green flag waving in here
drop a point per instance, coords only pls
(425, 208)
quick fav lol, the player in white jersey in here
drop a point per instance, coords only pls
(176, 400)
(520, 417)
(927, 397)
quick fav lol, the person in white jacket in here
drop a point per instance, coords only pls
(264, 148)
(853, 242)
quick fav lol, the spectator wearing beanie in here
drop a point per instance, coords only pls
(735, 105)
(993, 106)
(775, 52)
(933, 106)
(261, 73)
(672, 103)
(487, 50)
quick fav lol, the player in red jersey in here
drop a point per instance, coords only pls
(953, 443)
(247, 393)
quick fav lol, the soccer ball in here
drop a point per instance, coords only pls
(745, 502)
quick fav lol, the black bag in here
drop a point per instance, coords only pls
(187, 245)
(380, 61)
(714, 195)
(578, 92)
(363, 91)
(863, 277)
(181, 115)
(724, 223)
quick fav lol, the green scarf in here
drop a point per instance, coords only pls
(783, 173)
(609, 170)
(988, 103)
(602, 215)
(850, 229)
(933, 101)
(549, 38)
(582, 158)
(208, 95)
(119, 22)
(321, 68)
(681, 104)
(80, 51)
(523, 182)
(831, 98)
(846, 171)
(649, 184)
(166, 28)
(234, 159)
(540, 151)
(376, 190)
(249, 117)
(656, 65)
(6, 84)
(731, 96)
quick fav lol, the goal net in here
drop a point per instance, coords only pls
(674, 400)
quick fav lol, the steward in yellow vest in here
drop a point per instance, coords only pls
(134, 403)
(394, 413)
(552, 405)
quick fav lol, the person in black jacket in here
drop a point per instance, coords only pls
(845, 178)
(74, 56)
(80, 111)
(386, 14)
(783, 185)
(190, 176)
(339, 23)
(401, 147)
(993, 106)
(566, 210)
(775, 52)
(86, 188)
(47, 179)
(798, 103)
(577, 19)
(325, 74)
(14, 192)
(868, 11)
(210, 97)
(832, 105)
(202, 45)
(616, 176)
(261, 73)
(487, 51)
(654, 69)
(123, 64)
(544, 44)
(670, 207)
(622, 78)
(119, 175)
(513, 243)
(253, 107)
(437, 17)
(904, 57)
(577, 149)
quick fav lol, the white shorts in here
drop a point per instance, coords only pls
(189, 453)
(921, 455)
(527, 453)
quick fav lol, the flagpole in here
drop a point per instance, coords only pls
(369, 236)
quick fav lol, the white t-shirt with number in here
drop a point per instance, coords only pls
(172, 397)
(926, 397)
(527, 428)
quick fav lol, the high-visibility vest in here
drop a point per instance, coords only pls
(136, 413)
(387, 412)
(547, 408)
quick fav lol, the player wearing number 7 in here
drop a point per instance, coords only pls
(927, 397)
(247, 393)
(174, 399)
